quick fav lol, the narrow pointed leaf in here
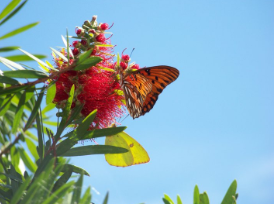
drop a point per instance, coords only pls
(19, 113)
(179, 201)
(77, 190)
(5, 105)
(51, 91)
(75, 169)
(20, 192)
(27, 160)
(106, 199)
(12, 90)
(168, 199)
(9, 8)
(204, 198)
(83, 56)
(40, 134)
(89, 62)
(60, 193)
(19, 30)
(25, 74)
(59, 54)
(86, 198)
(49, 107)
(231, 192)
(62, 180)
(8, 80)
(32, 148)
(11, 63)
(19, 58)
(13, 13)
(8, 48)
(104, 132)
(35, 109)
(196, 196)
(34, 58)
(94, 149)
(66, 112)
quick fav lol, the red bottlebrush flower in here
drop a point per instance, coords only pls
(75, 43)
(123, 65)
(104, 26)
(84, 42)
(75, 51)
(135, 66)
(101, 38)
(125, 58)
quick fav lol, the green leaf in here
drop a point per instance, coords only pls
(8, 80)
(9, 8)
(50, 93)
(204, 198)
(35, 109)
(77, 134)
(77, 190)
(166, 201)
(89, 62)
(68, 48)
(8, 48)
(17, 58)
(5, 105)
(40, 148)
(56, 196)
(104, 132)
(94, 149)
(13, 90)
(13, 13)
(75, 169)
(49, 107)
(19, 113)
(20, 192)
(106, 199)
(83, 56)
(32, 148)
(196, 197)
(179, 201)
(231, 192)
(25, 74)
(27, 161)
(65, 116)
(19, 30)
(59, 54)
(86, 199)
(62, 180)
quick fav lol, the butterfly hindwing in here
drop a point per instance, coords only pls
(142, 87)
(136, 88)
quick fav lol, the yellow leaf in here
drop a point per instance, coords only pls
(136, 154)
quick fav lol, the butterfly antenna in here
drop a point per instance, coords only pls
(132, 52)
(125, 118)
(124, 51)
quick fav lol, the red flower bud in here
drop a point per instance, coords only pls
(75, 51)
(92, 31)
(78, 31)
(101, 38)
(84, 42)
(125, 58)
(74, 43)
(104, 26)
(136, 66)
(123, 65)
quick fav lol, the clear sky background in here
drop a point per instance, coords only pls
(211, 126)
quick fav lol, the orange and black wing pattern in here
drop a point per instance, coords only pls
(142, 87)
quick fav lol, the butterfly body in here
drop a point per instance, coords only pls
(142, 87)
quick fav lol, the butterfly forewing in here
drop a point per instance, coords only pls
(149, 83)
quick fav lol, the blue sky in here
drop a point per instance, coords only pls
(214, 124)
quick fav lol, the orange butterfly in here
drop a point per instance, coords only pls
(143, 86)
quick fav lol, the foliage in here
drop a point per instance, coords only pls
(202, 198)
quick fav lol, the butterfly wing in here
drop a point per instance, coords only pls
(149, 83)
(136, 87)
